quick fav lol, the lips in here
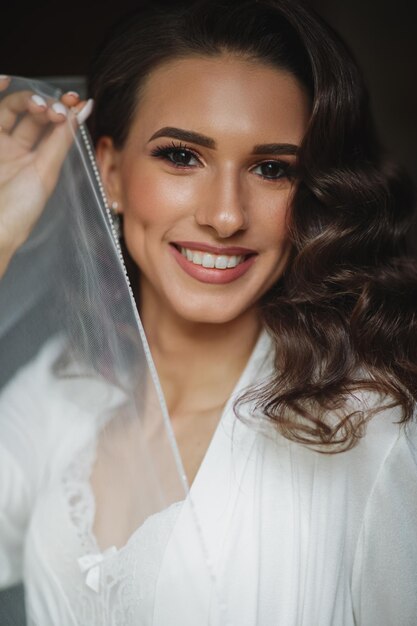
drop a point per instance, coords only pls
(212, 264)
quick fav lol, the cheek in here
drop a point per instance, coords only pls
(151, 200)
(273, 221)
(144, 201)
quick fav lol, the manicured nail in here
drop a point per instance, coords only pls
(59, 108)
(85, 111)
(72, 93)
(3, 76)
(38, 100)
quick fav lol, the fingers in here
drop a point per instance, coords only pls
(70, 99)
(53, 148)
(40, 113)
(35, 136)
(43, 127)
(11, 106)
(29, 129)
(25, 116)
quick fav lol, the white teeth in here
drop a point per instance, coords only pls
(220, 262)
(208, 260)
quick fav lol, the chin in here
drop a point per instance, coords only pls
(216, 314)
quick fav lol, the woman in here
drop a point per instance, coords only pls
(264, 237)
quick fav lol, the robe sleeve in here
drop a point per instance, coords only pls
(384, 584)
(23, 453)
(14, 514)
(15, 486)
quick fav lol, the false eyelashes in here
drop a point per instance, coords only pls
(179, 155)
(166, 151)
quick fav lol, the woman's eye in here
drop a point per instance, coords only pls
(178, 156)
(182, 157)
(272, 170)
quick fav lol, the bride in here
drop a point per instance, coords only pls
(237, 199)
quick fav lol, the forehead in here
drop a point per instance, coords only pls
(224, 95)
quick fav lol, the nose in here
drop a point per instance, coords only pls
(222, 206)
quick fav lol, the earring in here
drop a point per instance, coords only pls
(116, 219)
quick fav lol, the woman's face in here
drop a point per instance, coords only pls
(204, 182)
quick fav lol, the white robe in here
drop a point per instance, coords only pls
(290, 537)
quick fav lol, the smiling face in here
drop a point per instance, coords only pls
(205, 181)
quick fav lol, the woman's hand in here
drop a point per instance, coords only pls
(34, 140)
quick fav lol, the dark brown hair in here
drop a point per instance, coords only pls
(343, 316)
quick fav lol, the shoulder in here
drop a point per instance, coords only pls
(386, 451)
(28, 403)
(47, 407)
(385, 436)
(382, 439)
(28, 389)
(53, 376)
(398, 467)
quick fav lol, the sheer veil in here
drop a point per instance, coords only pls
(82, 414)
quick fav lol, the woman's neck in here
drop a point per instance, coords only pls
(198, 363)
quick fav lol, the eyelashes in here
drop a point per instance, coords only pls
(182, 156)
(275, 170)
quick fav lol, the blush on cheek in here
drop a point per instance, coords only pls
(156, 200)
(143, 201)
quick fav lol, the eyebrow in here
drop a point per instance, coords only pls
(207, 142)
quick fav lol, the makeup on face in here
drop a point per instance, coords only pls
(206, 180)
(210, 264)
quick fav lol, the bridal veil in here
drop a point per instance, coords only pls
(72, 343)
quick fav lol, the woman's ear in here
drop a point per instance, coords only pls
(108, 163)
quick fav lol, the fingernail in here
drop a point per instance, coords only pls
(85, 111)
(72, 93)
(59, 108)
(3, 76)
(38, 100)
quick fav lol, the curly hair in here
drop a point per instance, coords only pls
(343, 315)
